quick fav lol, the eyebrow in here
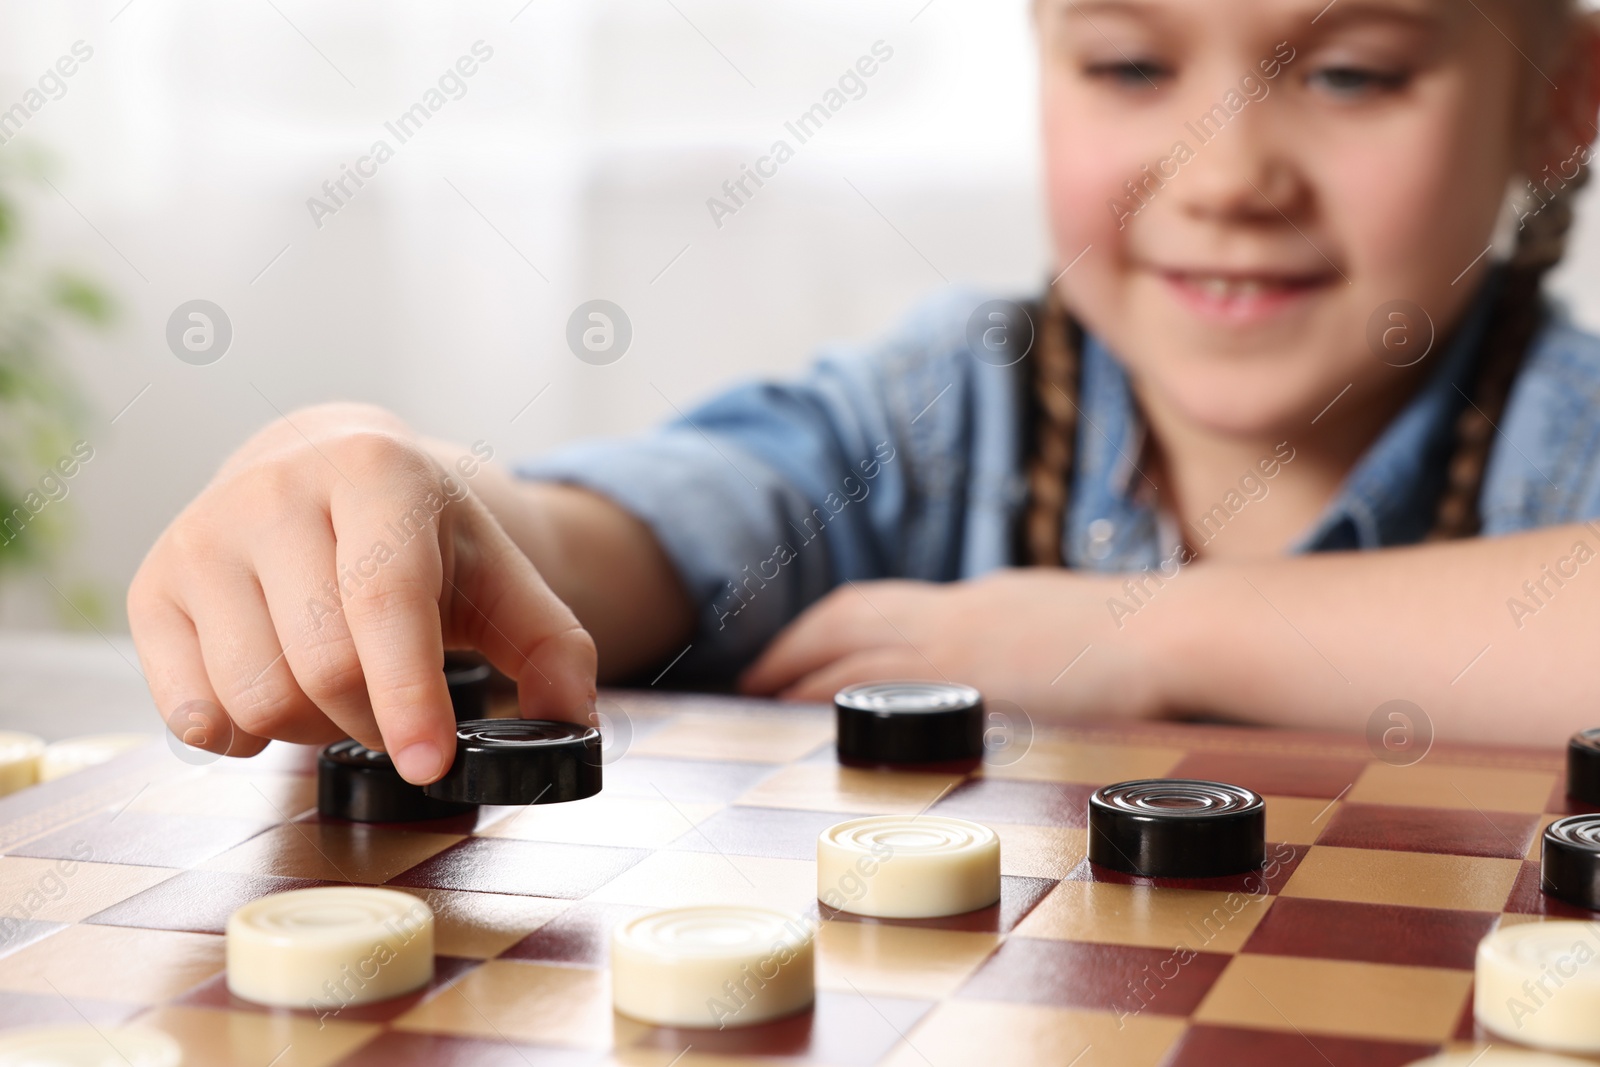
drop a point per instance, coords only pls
(1325, 17)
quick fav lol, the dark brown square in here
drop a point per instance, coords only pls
(1284, 776)
(1529, 898)
(145, 839)
(1113, 978)
(843, 1029)
(776, 832)
(1030, 803)
(401, 1048)
(1372, 933)
(446, 969)
(528, 868)
(1209, 1046)
(1018, 896)
(581, 936)
(1461, 833)
(197, 901)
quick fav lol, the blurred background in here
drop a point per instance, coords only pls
(180, 158)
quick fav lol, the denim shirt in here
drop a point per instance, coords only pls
(903, 459)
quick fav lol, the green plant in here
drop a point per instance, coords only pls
(41, 408)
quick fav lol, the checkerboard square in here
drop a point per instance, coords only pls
(531, 1002)
(366, 855)
(1289, 776)
(580, 936)
(1363, 1000)
(226, 1037)
(244, 795)
(113, 963)
(1298, 820)
(1371, 933)
(531, 868)
(1431, 785)
(1034, 803)
(1108, 913)
(1057, 759)
(402, 1048)
(754, 736)
(197, 901)
(898, 961)
(683, 781)
(1410, 879)
(19, 933)
(141, 839)
(48, 1009)
(623, 822)
(960, 1033)
(1040, 851)
(1109, 978)
(775, 832)
(67, 890)
(686, 879)
(1400, 829)
(1208, 1046)
(849, 790)
(481, 926)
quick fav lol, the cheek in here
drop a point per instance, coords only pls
(1087, 162)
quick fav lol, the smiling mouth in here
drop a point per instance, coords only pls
(1242, 297)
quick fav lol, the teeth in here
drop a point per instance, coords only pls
(1228, 289)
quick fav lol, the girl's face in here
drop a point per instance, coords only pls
(1295, 166)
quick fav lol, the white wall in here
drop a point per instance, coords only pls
(184, 152)
(590, 141)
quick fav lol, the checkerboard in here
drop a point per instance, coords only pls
(1357, 948)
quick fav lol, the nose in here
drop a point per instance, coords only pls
(1241, 172)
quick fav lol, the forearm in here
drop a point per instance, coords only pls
(1323, 640)
(602, 561)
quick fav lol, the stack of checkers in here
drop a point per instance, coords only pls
(767, 885)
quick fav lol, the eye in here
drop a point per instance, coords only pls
(1129, 74)
(1354, 82)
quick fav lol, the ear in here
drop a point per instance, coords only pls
(1570, 127)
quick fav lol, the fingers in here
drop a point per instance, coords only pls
(169, 651)
(841, 623)
(900, 664)
(502, 605)
(387, 549)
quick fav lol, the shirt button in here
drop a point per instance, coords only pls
(1100, 533)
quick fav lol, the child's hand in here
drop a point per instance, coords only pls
(1010, 635)
(310, 590)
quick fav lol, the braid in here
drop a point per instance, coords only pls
(1517, 317)
(1053, 429)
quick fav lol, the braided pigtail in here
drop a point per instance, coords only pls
(1053, 430)
(1516, 319)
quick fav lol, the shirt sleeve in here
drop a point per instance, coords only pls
(769, 495)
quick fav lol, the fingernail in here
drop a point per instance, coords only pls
(418, 762)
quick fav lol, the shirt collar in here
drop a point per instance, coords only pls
(1388, 498)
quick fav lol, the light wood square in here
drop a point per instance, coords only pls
(1414, 879)
(1298, 820)
(1369, 1000)
(830, 787)
(1054, 759)
(1040, 851)
(898, 961)
(1426, 785)
(532, 1002)
(220, 1037)
(750, 737)
(67, 891)
(339, 852)
(686, 879)
(1108, 913)
(960, 1033)
(115, 963)
(480, 926)
(625, 822)
(264, 797)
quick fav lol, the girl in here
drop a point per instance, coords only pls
(1287, 438)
